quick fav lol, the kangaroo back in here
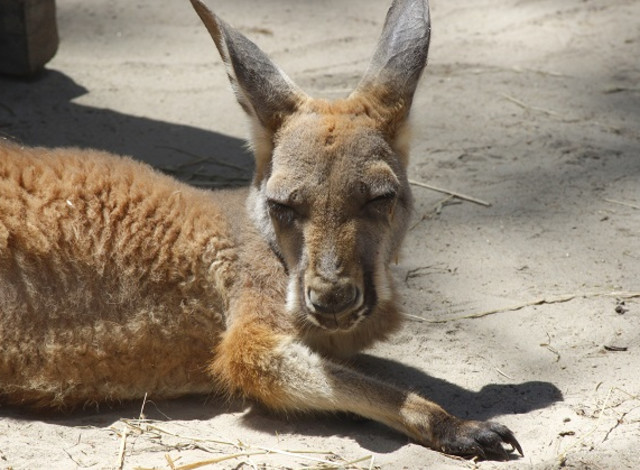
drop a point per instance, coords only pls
(106, 286)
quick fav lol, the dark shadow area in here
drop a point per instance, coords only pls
(369, 434)
(41, 112)
(193, 407)
(491, 401)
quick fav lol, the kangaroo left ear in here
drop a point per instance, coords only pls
(400, 56)
(264, 91)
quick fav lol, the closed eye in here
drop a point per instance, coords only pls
(282, 212)
(383, 198)
(381, 206)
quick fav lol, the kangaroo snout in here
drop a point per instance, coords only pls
(331, 298)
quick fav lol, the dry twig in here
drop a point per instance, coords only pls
(562, 457)
(522, 104)
(143, 426)
(450, 193)
(123, 448)
(549, 347)
(542, 301)
(622, 203)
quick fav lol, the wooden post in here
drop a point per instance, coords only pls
(28, 35)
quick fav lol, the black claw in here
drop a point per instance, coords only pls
(484, 440)
(509, 438)
(515, 445)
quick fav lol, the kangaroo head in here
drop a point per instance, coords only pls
(330, 193)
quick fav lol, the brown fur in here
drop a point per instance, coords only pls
(117, 281)
(119, 257)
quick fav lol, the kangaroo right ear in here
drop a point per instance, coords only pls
(262, 89)
(400, 57)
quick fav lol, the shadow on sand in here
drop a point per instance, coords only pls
(41, 112)
(491, 401)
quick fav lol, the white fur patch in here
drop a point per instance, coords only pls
(383, 280)
(292, 295)
(259, 214)
(309, 304)
(305, 373)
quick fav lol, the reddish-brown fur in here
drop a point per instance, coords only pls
(118, 257)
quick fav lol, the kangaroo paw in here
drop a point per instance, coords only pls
(483, 439)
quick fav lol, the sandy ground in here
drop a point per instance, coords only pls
(531, 105)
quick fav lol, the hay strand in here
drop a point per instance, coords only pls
(450, 193)
(524, 105)
(151, 429)
(623, 203)
(542, 301)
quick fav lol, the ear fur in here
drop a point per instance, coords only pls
(398, 61)
(264, 91)
(269, 96)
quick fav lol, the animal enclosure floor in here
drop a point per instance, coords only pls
(526, 311)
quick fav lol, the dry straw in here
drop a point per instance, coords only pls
(154, 431)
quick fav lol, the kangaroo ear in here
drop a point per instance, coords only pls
(400, 56)
(262, 89)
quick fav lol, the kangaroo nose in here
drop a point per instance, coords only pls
(333, 300)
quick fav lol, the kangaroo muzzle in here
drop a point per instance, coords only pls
(332, 298)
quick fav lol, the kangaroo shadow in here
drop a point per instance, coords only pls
(41, 112)
(186, 408)
(491, 401)
(487, 403)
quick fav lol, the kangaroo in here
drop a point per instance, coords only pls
(116, 280)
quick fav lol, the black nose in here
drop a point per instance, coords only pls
(333, 300)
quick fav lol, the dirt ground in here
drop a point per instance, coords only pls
(526, 311)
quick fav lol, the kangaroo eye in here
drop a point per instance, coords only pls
(385, 198)
(382, 205)
(281, 212)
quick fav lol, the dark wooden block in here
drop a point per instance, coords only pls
(28, 35)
